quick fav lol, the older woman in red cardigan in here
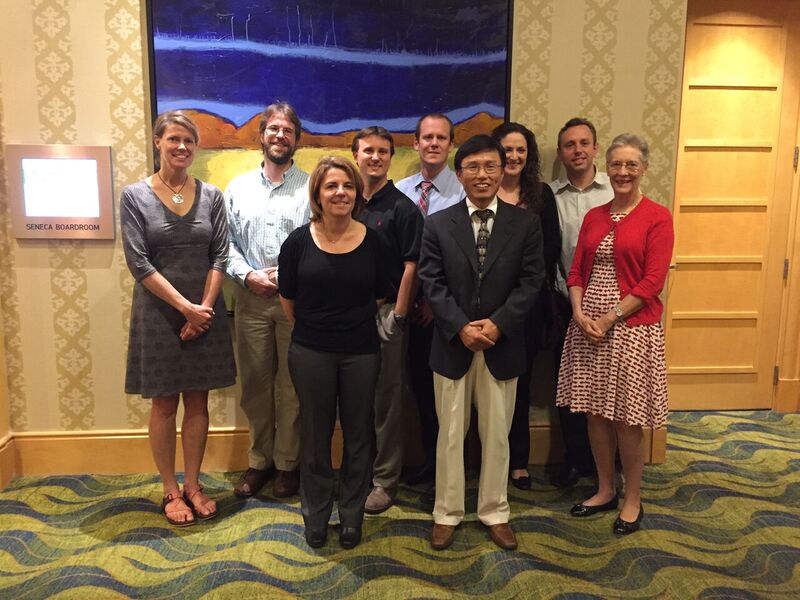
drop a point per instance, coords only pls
(613, 366)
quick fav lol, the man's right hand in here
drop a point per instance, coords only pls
(260, 283)
(422, 314)
(474, 339)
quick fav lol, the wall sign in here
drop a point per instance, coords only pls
(59, 191)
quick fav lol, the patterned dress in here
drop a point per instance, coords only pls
(623, 378)
(182, 249)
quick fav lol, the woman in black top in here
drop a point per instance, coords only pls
(332, 279)
(521, 185)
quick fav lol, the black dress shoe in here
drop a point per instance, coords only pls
(626, 527)
(424, 474)
(566, 477)
(349, 537)
(316, 538)
(581, 510)
(521, 483)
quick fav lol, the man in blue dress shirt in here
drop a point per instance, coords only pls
(434, 188)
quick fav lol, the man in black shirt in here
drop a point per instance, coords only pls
(399, 224)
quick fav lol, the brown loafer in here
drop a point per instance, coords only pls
(286, 483)
(503, 536)
(252, 481)
(442, 536)
(378, 501)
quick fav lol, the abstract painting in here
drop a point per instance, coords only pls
(343, 65)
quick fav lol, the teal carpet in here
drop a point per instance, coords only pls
(722, 521)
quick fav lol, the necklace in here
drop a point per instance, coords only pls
(630, 208)
(177, 197)
(330, 241)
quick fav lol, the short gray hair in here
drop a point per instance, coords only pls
(632, 140)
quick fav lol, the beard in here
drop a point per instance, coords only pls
(278, 157)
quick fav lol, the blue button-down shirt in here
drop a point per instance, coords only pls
(445, 192)
(261, 214)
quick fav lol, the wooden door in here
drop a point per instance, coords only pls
(732, 199)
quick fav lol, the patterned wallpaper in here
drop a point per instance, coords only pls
(65, 305)
(617, 62)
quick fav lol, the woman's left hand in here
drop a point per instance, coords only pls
(191, 332)
(604, 323)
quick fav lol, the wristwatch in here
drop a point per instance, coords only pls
(400, 320)
(618, 312)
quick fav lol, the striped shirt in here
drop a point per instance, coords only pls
(261, 215)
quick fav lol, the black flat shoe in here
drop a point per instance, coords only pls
(349, 537)
(626, 527)
(581, 510)
(316, 538)
(522, 483)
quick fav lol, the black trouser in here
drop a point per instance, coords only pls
(519, 436)
(323, 381)
(421, 379)
(574, 432)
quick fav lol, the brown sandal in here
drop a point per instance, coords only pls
(197, 514)
(169, 499)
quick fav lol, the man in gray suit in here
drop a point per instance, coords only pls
(481, 267)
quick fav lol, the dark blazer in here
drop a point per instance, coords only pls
(513, 274)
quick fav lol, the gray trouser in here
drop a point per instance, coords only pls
(325, 380)
(390, 401)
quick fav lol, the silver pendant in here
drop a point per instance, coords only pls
(177, 198)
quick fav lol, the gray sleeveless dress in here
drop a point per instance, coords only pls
(182, 249)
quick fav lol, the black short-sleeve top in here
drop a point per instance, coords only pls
(399, 224)
(334, 294)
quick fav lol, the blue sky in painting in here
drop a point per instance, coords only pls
(342, 64)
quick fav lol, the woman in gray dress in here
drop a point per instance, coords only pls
(175, 237)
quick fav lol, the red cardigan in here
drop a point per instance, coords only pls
(642, 252)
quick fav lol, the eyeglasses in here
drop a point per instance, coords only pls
(631, 165)
(474, 168)
(274, 130)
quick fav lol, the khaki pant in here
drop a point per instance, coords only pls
(494, 401)
(268, 398)
(390, 401)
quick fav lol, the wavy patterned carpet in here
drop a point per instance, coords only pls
(722, 521)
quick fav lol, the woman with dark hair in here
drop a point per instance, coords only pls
(332, 280)
(175, 238)
(521, 185)
(613, 367)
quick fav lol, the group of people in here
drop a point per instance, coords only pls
(353, 290)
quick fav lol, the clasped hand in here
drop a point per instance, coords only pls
(198, 321)
(479, 335)
(262, 282)
(593, 329)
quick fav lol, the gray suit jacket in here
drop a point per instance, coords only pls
(512, 276)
